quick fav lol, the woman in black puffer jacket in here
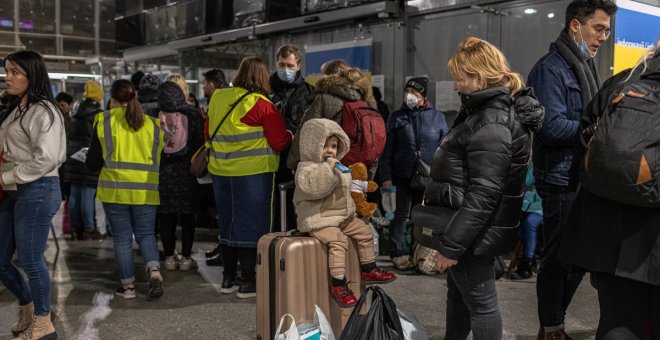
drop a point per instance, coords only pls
(178, 188)
(479, 170)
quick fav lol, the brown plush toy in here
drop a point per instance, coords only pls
(360, 186)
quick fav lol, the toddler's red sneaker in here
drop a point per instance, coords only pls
(378, 275)
(343, 296)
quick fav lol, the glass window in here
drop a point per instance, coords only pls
(40, 44)
(82, 48)
(37, 16)
(77, 18)
(6, 15)
(107, 19)
(109, 49)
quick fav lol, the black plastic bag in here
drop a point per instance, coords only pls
(381, 321)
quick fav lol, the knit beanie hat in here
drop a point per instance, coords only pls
(149, 82)
(93, 91)
(419, 84)
(136, 78)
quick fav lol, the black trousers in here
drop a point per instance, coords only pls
(167, 224)
(247, 257)
(628, 309)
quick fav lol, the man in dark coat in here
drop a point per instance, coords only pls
(290, 93)
(565, 80)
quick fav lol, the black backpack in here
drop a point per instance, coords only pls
(622, 159)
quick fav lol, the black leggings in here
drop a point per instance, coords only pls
(168, 223)
(246, 256)
(628, 309)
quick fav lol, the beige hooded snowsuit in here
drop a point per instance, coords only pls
(323, 200)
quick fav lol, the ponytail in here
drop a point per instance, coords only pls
(514, 82)
(123, 91)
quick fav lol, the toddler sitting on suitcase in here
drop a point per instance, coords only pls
(326, 210)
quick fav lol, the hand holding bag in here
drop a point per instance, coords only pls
(200, 160)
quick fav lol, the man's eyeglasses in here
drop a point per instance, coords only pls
(599, 29)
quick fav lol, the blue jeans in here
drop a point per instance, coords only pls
(25, 218)
(472, 300)
(405, 200)
(81, 206)
(528, 228)
(128, 220)
(557, 280)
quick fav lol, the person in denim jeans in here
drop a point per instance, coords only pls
(32, 144)
(126, 146)
(564, 80)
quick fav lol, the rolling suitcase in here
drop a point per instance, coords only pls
(292, 277)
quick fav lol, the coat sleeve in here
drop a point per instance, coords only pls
(385, 160)
(315, 180)
(94, 159)
(551, 91)
(488, 156)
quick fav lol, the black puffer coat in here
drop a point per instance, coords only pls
(479, 168)
(79, 135)
(178, 188)
(290, 99)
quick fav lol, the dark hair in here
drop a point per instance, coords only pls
(286, 50)
(582, 10)
(64, 97)
(38, 89)
(217, 77)
(195, 102)
(136, 78)
(123, 91)
(253, 76)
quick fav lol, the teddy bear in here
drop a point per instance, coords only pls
(360, 186)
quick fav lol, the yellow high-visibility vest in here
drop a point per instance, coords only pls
(132, 159)
(238, 149)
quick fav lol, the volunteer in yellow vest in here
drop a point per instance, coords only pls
(127, 146)
(243, 161)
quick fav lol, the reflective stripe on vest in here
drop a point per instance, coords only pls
(130, 174)
(238, 149)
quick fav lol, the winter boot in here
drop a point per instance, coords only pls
(41, 328)
(24, 319)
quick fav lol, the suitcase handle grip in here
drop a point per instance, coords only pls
(287, 185)
(283, 187)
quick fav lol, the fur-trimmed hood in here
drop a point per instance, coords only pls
(342, 87)
(313, 136)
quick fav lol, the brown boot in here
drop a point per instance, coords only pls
(24, 319)
(41, 328)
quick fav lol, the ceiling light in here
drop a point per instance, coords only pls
(551, 15)
(529, 11)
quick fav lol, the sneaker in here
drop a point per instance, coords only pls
(377, 275)
(214, 262)
(228, 286)
(401, 263)
(343, 296)
(126, 293)
(155, 284)
(213, 253)
(93, 234)
(523, 270)
(170, 263)
(247, 289)
(186, 263)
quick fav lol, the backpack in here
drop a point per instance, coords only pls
(175, 126)
(622, 158)
(365, 129)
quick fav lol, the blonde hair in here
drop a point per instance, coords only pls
(644, 60)
(179, 80)
(479, 58)
(334, 67)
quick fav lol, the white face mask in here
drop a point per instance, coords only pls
(582, 46)
(411, 100)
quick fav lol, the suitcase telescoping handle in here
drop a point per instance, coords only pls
(283, 187)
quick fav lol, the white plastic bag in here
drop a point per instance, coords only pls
(412, 329)
(323, 323)
(291, 333)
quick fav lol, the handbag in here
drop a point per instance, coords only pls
(199, 162)
(422, 175)
(429, 223)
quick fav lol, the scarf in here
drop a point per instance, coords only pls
(584, 70)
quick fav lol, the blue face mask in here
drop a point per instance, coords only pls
(582, 46)
(286, 74)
